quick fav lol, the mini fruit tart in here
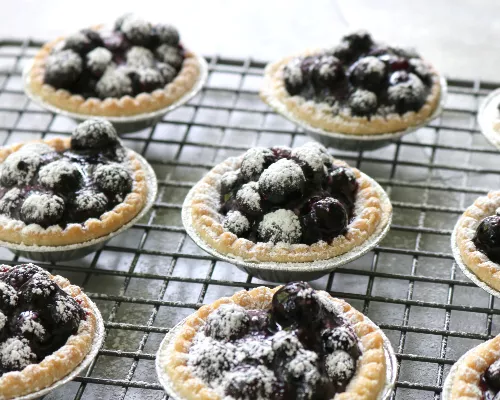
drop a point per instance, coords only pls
(47, 328)
(287, 205)
(291, 342)
(360, 87)
(136, 68)
(62, 191)
(476, 376)
(477, 238)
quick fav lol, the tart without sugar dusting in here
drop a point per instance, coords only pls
(64, 191)
(286, 205)
(478, 238)
(359, 87)
(135, 68)
(47, 327)
(287, 343)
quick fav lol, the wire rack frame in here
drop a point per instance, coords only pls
(149, 278)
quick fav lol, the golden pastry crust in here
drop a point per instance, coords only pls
(60, 363)
(16, 231)
(143, 103)
(370, 213)
(319, 115)
(466, 381)
(367, 383)
(473, 258)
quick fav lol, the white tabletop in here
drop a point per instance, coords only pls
(461, 37)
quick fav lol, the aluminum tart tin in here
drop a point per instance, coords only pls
(96, 345)
(467, 272)
(126, 124)
(79, 250)
(288, 272)
(353, 142)
(167, 343)
(489, 116)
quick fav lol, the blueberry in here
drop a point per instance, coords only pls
(113, 179)
(42, 209)
(248, 199)
(294, 77)
(98, 61)
(310, 159)
(16, 354)
(37, 291)
(249, 382)
(146, 80)
(235, 222)
(167, 34)
(64, 313)
(8, 298)
(10, 202)
(20, 274)
(94, 134)
(487, 238)
(363, 102)
(115, 42)
(327, 72)
(281, 152)
(229, 321)
(280, 226)
(167, 72)
(282, 181)
(340, 366)
(311, 232)
(368, 73)
(343, 52)
(137, 31)
(295, 304)
(170, 55)
(407, 96)
(359, 41)
(29, 325)
(62, 69)
(341, 180)
(60, 176)
(331, 216)
(88, 204)
(398, 77)
(114, 83)
(421, 69)
(255, 161)
(141, 57)
(19, 168)
(340, 338)
(229, 181)
(82, 42)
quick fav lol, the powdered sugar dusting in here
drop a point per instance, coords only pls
(227, 320)
(282, 176)
(255, 161)
(280, 226)
(3, 320)
(248, 195)
(19, 168)
(340, 365)
(33, 327)
(50, 174)
(39, 207)
(139, 56)
(309, 155)
(236, 222)
(16, 354)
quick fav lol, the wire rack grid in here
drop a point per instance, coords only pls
(150, 277)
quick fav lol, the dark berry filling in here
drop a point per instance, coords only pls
(299, 349)
(290, 196)
(136, 57)
(39, 185)
(487, 238)
(490, 382)
(361, 77)
(36, 316)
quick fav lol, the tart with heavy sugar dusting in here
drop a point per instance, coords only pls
(476, 376)
(478, 238)
(63, 191)
(286, 205)
(360, 87)
(291, 342)
(135, 68)
(47, 327)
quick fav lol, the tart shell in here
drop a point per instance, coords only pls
(60, 363)
(143, 103)
(320, 116)
(367, 384)
(369, 213)
(465, 230)
(16, 231)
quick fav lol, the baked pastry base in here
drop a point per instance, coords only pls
(16, 231)
(319, 115)
(125, 106)
(471, 367)
(369, 212)
(367, 383)
(466, 227)
(59, 364)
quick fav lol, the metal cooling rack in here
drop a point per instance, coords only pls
(150, 277)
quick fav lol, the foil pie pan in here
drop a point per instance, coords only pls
(288, 272)
(79, 250)
(467, 272)
(353, 142)
(167, 343)
(126, 124)
(487, 115)
(96, 345)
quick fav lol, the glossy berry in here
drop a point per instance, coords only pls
(492, 376)
(368, 73)
(60, 176)
(311, 232)
(331, 216)
(38, 291)
(487, 238)
(281, 181)
(29, 325)
(62, 69)
(295, 303)
(113, 179)
(229, 321)
(327, 72)
(310, 159)
(342, 180)
(42, 209)
(20, 274)
(94, 134)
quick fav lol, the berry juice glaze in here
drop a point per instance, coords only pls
(288, 195)
(39, 185)
(487, 238)
(299, 349)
